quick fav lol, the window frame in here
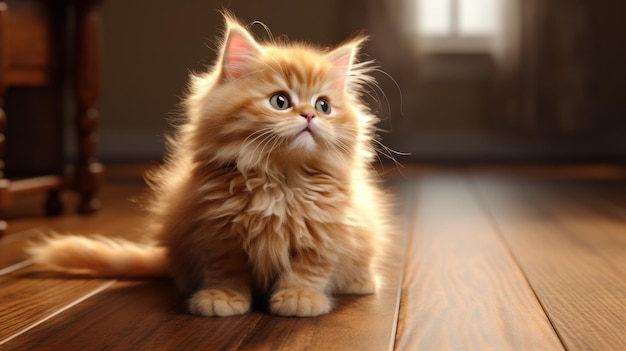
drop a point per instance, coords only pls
(455, 41)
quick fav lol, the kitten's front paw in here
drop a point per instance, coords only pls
(219, 302)
(299, 302)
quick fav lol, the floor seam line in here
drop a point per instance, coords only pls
(59, 311)
(15, 267)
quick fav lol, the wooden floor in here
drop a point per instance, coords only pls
(497, 258)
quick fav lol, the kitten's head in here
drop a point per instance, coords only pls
(268, 105)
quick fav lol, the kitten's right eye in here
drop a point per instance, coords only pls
(280, 101)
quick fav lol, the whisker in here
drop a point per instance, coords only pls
(262, 143)
(260, 133)
(275, 143)
(376, 69)
(266, 141)
(396, 152)
(272, 141)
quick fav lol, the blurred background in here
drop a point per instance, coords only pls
(464, 81)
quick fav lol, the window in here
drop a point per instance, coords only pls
(458, 25)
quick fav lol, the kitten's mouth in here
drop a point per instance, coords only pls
(304, 139)
(306, 130)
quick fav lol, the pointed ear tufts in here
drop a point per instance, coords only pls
(239, 52)
(342, 59)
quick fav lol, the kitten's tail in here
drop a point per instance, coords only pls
(100, 256)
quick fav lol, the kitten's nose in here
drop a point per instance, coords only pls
(308, 116)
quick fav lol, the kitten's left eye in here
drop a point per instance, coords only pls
(322, 106)
(280, 101)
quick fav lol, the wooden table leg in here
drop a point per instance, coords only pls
(89, 172)
(5, 195)
(53, 204)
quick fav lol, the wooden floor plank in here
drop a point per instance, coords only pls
(462, 289)
(136, 316)
(12, 247)
(565, 261)
(608, 195)
(587, 215)
(357, 323)
(119, 216)
(30, 295)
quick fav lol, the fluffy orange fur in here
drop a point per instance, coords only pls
(267, 186)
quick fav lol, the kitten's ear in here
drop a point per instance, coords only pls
(342, 59)
(239, 52)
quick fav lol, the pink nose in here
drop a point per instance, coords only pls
(308, 116)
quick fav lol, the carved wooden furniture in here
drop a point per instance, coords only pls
(42, 46)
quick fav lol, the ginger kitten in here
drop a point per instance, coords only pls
(267, 187)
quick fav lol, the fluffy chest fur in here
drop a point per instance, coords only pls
(275, 218)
